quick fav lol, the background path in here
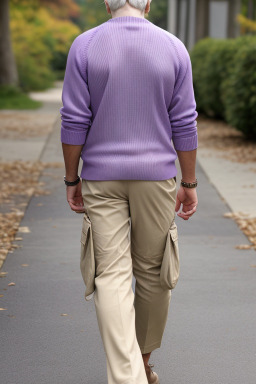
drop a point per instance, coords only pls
(210, 335)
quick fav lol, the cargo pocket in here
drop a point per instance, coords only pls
(87, 261)
(170, 268)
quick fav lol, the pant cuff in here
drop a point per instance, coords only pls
(150, 348)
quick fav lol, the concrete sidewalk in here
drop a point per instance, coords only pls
(50, 334)
(236, 182)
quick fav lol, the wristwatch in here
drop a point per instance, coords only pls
(71, 183)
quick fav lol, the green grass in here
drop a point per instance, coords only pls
(13, 98)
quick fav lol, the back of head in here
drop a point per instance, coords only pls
(114, 5)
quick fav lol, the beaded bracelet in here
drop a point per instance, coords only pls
(188, 185)
(71, 183)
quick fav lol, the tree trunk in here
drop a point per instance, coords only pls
(8, 69)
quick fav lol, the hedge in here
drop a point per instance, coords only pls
(224, 76)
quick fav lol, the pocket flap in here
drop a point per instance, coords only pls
(173, 231)
(170, 268)
(87, 260)
(85, 228)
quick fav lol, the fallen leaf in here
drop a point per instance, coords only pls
(1, 295)
(64, 314)
(3, 309)
(228, 214)
(24, 265)
(243, 246)
(24, 229)
(10, 284)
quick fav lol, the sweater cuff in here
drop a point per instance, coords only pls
(185, 143)
(72, 137)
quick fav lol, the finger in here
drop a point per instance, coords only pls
(185, 214)
(190, 212)
(177, 206)
(182, 217)
(80, 200)
(189, 207)
(75, 202)
(76, 208)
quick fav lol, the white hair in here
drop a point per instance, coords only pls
(116, 4)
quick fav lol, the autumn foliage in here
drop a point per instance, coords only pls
(64, 9)
(41, 39)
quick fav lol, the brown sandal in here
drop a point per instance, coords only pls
(151, 375)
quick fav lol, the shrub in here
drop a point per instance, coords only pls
(199, 56)
(240, 100)
(12, 98)
(220, 80)
(212, 60)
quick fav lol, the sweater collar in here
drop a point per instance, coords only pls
(123, 19)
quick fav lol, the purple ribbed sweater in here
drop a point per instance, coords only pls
(127, 93)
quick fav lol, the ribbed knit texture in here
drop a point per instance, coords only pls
(128, 97)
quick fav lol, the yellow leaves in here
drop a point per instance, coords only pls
(8, 228)
(41, 32)
(62, 8)
(248, 225)
(25, 174)
(247, 25)
(22, 180)
(37, 38)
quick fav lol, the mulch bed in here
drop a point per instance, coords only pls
(21, 183)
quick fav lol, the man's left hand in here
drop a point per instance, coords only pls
(75, 199)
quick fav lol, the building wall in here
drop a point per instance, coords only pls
(192, 20)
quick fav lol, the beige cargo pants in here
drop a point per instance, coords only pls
(129, 222)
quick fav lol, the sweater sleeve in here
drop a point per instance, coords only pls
(182, 111)
(75, 113)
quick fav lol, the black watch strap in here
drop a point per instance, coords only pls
(71, 183)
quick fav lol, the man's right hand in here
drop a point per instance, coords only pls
(188, 198)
